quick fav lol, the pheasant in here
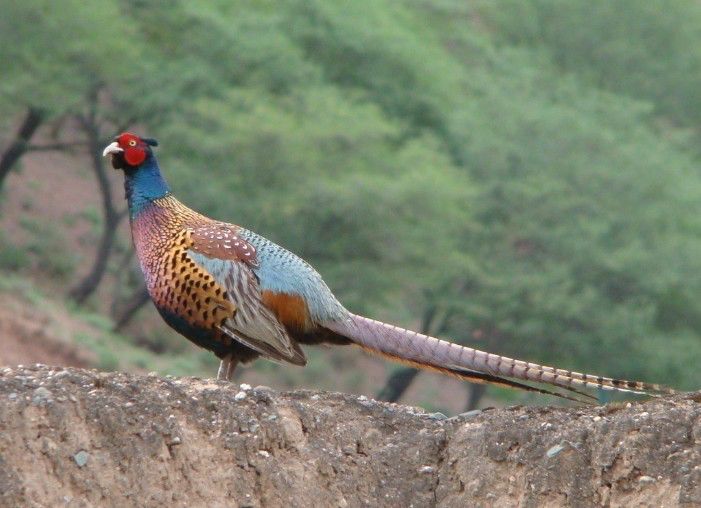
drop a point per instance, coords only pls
(241, 296)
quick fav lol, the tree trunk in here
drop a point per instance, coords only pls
(90, 282)
(476, 393)
(137, 300)
(18, 147)
(397, 384)
(111, 217)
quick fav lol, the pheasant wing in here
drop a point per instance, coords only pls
(229, 259)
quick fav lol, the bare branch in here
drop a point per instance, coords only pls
(18, 147)
(138, 299)
(111, 216)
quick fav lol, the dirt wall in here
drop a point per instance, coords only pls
(71, 437)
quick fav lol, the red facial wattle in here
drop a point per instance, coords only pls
(134, 149)
(134, 155)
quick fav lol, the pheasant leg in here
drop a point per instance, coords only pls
(227, 366)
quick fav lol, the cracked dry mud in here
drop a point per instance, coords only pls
(71, 437)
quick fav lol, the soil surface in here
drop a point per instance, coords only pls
(72, 437)
(27, 336)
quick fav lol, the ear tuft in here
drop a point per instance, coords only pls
(150, 141)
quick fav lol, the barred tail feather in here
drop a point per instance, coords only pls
(482, 378)
(429, 352)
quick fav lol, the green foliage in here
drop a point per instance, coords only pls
(12, 258)
(53, 52)
(648, 50)
(47, 250)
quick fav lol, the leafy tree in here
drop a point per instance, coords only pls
(589, 220)
(59, 71)
(646, 50)
(60, 59)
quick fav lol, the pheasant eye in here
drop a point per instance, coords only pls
(132, 142)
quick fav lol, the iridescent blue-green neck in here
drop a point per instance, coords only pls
(143, 185)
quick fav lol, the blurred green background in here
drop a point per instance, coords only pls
(520, 176)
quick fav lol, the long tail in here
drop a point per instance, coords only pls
(428, 352)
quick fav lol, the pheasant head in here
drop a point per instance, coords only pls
(142, 176)
(129, 151)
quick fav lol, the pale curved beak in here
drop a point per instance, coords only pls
(111, 148)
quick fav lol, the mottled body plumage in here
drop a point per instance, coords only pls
(183, 293)
(204, 273)
(242, 296)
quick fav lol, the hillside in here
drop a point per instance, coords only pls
(74, 437)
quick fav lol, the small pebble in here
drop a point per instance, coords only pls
(41, 395)
(240, 396)
(554, 450)
(263, 453)
(427, 469)
(81, 458)
(645, 480)
(437, 416)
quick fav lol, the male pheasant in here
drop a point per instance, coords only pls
(241, 296)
